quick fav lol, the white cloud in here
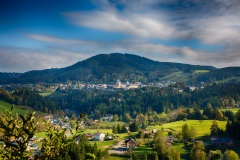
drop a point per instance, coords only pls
(137, 24)
(16, 59)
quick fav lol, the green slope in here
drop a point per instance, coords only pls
(21, 110)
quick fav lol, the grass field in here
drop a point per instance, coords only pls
(111, 124)
(45, 94)
(202, 128)
(21, 110)
(201, 71)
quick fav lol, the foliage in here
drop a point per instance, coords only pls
(214, 128)
(54, 144)
(198, 151)
(215, 155)
(230, 155)
(162, 148)
(16, 132)
(185, 132)
(137, 103)
(133, 127)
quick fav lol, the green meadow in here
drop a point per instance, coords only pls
(202, 127)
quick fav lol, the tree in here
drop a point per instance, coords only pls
(185, 132)
(133, 127)
(173, 154)
(114, 130)
(124, 129)
(115, 117)
(232, 102)
(119, 128)
(215, 155)
(127, 117)
(198, 151)
(219, 114)
(214, 128)
(160, 142)
(192, 133)
(230, 155)
(16, 134)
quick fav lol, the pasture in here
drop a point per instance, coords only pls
(202, 127)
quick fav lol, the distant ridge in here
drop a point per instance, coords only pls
(107, 68)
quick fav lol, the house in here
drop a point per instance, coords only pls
(147, 133)
(98, 136)
(130, 143)
(108, 117)
(225, 142)
(192, 88)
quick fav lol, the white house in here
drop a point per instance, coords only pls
(98, 136)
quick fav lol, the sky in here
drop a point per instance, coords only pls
(42, 34)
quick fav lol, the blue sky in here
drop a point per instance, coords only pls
(40, 34)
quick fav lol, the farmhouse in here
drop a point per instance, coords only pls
(98, 136)
(147, 133)
(130, 143)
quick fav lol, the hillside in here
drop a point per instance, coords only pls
(107, 68)
(220, 75)
(21, 110)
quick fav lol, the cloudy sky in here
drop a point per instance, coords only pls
(40, 34)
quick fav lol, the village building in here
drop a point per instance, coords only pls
(98, 136)
(147, 133)
(130, 143)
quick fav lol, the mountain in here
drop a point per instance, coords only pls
(107, 68)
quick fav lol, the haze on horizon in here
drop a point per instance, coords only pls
(44, 34)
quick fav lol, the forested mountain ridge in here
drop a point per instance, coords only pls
(107, 68)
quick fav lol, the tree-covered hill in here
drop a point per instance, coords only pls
(105, 68)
